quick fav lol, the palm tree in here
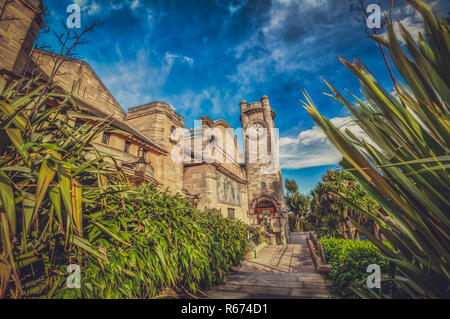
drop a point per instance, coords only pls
(329, 204)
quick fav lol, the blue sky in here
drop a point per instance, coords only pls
(203, 57)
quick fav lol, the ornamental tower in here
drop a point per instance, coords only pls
(267, 205)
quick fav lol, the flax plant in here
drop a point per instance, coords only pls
(403, 158)
(50, 177)
(62, 202)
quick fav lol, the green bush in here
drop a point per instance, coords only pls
(293, 227)
(67, 203)
(161, 242)
(257, 236)
(350, 259)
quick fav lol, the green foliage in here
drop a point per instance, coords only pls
(291, 185)
(293, 226)
(333, 204)
(62, 202)
(298, 204)
(350, 259)
(403, 159)
(299, 224)
(49, 178)
(257, 236)
(164, 243)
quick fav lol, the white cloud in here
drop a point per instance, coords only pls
(94, 7)
(150, 18)
(141, 79)
(135, 4)
(135, 78)
(281, 42)
(413, 23)
(312, 148)
(169, 57)
(233, 9)
(306, 3)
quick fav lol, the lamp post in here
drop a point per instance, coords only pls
(140, 166)
(195, 200)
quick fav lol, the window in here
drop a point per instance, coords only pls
(126, 149)
(105, 139)
(141, 153)
(231, 213)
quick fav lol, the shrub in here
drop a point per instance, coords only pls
(65, 204)
(160, 242)
(293, 226)
(257, 236)
(330, 204)
(50, 179)
(350, 259)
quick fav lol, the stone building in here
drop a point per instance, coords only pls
(204, 163)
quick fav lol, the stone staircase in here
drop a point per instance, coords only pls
(279, 272)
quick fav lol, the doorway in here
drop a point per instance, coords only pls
(265, 212)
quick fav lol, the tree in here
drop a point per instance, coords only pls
(332, 204)
(291, 185)
(297, 203)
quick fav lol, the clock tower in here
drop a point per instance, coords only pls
(266, 201)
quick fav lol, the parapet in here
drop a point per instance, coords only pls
(248, 108)
(155, 107)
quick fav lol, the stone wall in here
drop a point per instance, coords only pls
(201, 179)
(156, 120)
(91, 90)
(264, 179)
(116, 148)
(20, 22)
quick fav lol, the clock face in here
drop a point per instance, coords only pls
(256, 130)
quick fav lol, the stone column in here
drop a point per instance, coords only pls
(269, 120)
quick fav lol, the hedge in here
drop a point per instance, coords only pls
(350, 259)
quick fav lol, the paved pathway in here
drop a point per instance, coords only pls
(282, 271)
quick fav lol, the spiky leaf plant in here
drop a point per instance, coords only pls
(62, 203)
(403, 159)
(50, 177)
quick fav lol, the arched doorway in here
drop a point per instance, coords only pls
(265, 211)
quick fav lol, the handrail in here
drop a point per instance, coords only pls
(318, 254)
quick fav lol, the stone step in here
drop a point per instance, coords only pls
(283, 271)
(256, 292)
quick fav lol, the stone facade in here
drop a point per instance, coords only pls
(210, 168)
(265, 185)
(90, 89)
(20, 22)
